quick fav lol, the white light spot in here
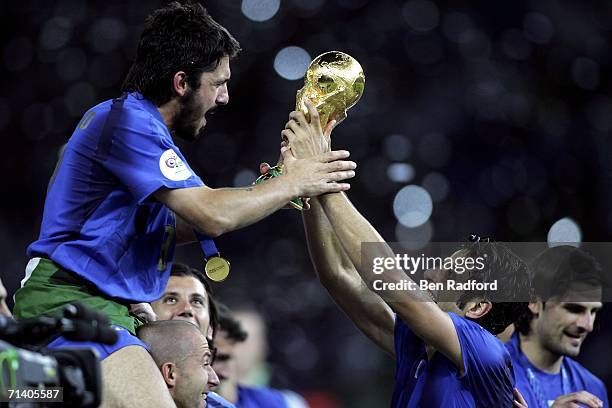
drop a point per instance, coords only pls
(260, 10)
(412, 206)
(564, 232)
(291, 62)
(400, 172)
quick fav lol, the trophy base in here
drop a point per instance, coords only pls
(276, 171)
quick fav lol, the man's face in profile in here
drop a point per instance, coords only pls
(563, 323)
(194, 376)
(197, 103)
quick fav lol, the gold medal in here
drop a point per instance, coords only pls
(217, 268)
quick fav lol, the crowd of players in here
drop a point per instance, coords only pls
(123, 195)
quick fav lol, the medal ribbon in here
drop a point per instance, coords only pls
(534, 383)
(207, 244)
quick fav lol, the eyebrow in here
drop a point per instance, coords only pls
(579, 306)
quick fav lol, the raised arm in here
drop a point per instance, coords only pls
(414, 307)
(217, 211)
(338, 275)
(422, 315)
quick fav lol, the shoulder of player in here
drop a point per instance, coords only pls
(581, 371)
(96, 116)
(260, 392)
(490, 349)
(140, 117)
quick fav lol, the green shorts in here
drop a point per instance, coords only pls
(49, 288)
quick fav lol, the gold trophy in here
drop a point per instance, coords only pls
(334, 82)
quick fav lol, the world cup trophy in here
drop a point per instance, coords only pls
(334, 82)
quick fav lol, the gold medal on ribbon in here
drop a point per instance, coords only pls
(217, 268)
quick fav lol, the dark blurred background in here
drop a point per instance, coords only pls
(480, 117)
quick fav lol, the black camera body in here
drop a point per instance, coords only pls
(33, 376)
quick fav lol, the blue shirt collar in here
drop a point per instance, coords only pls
(148, 106)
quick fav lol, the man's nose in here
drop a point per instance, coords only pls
(213, 379)
(223, 96)
(186, 309)
(586, 322)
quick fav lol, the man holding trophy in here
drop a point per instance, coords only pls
(442, 359)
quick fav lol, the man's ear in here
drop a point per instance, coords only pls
(168, 371)
(536, 307)
(179, 83)
(478, 309)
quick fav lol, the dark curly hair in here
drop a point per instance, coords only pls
(180, 270)
(511, 299)
(229, 324)
(554, 270)
(177, 37)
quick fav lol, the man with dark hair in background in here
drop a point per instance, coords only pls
(123, 194)
(230, 334)
(569, 292)
(442, 359)
(184, 359)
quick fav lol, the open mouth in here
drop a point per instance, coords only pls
(575, 338)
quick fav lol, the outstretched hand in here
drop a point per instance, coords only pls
(305, 136)
(264, 168)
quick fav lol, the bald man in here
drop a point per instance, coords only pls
(183, 357)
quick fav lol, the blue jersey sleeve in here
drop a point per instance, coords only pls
(408, 347)
(486, 362)
(141, 154)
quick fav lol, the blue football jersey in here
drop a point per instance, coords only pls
(487, 381)
(100, 220)
(543, 388)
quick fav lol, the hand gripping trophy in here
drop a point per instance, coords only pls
(334, 82)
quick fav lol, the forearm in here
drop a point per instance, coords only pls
(337, 274)
(413, 306)
(184, 231)
(352, 230)
(216, 211)
(326, 252)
